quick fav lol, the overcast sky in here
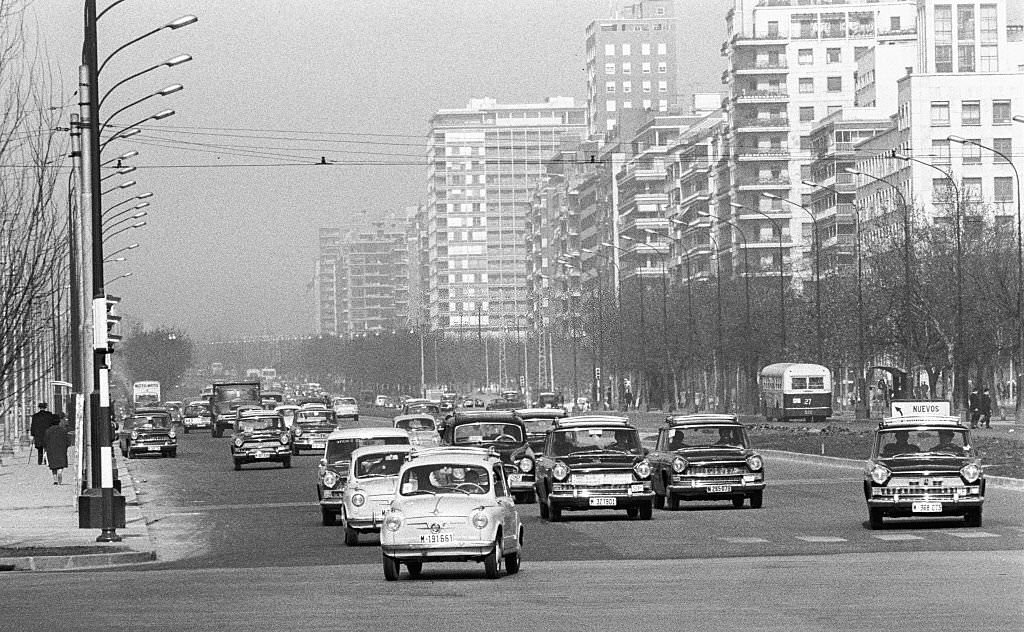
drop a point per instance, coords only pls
(276, 84)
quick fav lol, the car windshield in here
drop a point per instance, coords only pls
(914, 441)
(148, 422)
(341, 449)
(239, 393)
(376, 465)
(430, 409)
(197, 411)
(316, 417)
(572, 440)
(445, 479)
(417, 423)
(259, 423)
(538, 425)
(706, 437)
(345, 401)
(488, 432)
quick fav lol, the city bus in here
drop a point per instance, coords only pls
(795, 391)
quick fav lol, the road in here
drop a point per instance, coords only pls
(237, 543)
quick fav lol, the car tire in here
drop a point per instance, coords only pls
(494, 559)
(875, 518)
(286, 462)
(756, 500)
(173, 453)
(326, 517)
(238, 465)
(512, 562)
(295, 451)
(543, 506)
(671, 502)
(737, 502)
(973, 518)
(633, 512)
(391, 568)
(554, 512)
(185, 429)
(415, 569)
(646, 511)
(658, 501)
(351, 536)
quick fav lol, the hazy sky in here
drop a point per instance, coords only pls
(276, 84)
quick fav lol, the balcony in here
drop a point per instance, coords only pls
(764, 183)
(763, 67)
(761, 96)
(702, 195)
(760, 124)
(650, 171)
(908, 34)
(756, 40)
(761, 153)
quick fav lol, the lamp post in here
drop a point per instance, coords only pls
(118, 232)
(573, 295)
(1020, 263)
(642, 392)
(817, 268)
(782, 276)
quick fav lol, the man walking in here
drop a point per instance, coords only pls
(985, 408)
(973, 402)
(41, 420)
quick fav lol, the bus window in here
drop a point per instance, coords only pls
(816, 382)
(799, 383)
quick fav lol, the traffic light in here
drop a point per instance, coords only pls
(113, 321)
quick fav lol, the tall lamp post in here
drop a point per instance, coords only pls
(1020, 263)
(782, 275)
(817, 269)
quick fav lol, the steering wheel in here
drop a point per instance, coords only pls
(477, 486)
(505, 438)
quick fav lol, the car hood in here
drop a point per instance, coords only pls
(380, 486)
(601, 459)
(507, 451)
(424, 438)
(930, 464)
(440, 505)
(715, 453)
(259, 435)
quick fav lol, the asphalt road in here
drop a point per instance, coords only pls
(246, 550)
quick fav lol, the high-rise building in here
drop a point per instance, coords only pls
(484, 162)
(325, 281)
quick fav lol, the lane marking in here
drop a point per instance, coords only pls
(896, 537)
(745, 540)
(970, 535)
(813, 481)
(826, 539)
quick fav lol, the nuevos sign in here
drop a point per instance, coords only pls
(920, 409)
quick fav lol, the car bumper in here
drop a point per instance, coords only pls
(309, 444)
(448, 552)
(255, 456)
(905, 507)
(584, 499)
(711, 490)
(523, 485)
(188, 423)
(152, 449)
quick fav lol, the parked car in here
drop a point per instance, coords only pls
(923, 467)
(503, 432)
(705, 457)
(311, 428)
(422, 429)
(452, 504)
(260, 436)
(346, 408)
(337, 458)
(594, 462)
(148, 431)
(196, 415)
(369, 488)
(539, 421)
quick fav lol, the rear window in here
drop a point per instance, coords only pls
(341, 449)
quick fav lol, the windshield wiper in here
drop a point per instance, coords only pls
(418, 492)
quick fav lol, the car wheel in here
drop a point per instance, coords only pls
(173, 453)
(671, 502)
(543, 505)
(186, 429)
(295, 451)
(554, 512)
(756, 500)
(646, 511)
(973, 518)
(737, 502)
(286, 462)
(351, 536)
(658, 501)
(326, 517)
(492, 563)
(633, 512)
(391, 568)
(512, 563)
(875, 518)
(415, 568)
(238, 465)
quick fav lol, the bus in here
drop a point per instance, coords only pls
(145, 394)
(796, 391)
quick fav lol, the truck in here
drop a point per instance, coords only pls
(145, 394)
(227, 398)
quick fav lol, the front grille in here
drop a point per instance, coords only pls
(931, 492)
(709, 480)
(261, 445)
(716, 470)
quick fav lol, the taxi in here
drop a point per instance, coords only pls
(148, 431)
(539, 421)
(311, 427)
(923, 466)
(453, 504)
(196, 415)
(369, 488)
(333, 473)
(260, 436)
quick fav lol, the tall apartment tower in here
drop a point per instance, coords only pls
(483, 164)
(631, 65)
(791, 64)
(325, 281)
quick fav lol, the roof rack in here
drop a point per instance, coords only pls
(540, 413)
(590, 420)
(672, 420)
(920, 420)
(451, 449)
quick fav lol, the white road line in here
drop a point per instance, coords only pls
(744, 540)
(820, 538)
(896, 537)
(970, 535)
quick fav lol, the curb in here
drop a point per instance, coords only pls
(76, 562)
(1000, 482)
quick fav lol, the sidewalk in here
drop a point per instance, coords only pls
(39, 520)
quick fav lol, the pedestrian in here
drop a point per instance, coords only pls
(56, 442)
(41, 420)
(973, 402)
(985, 408)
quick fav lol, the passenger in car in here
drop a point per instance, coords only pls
(902, 445)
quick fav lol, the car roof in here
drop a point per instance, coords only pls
(366, 433)
(702, 418)
(257, 412)
(199, 402)
(582, 421)
(920, 420)
(540, 413)
(287, 407)
(484, 416)
(423, 416)
(464, 455)
(151, 411)
(379, 449)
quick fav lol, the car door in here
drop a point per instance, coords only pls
(659, 460)
(507, 507)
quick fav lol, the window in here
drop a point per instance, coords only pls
(970, 113)
(805, 56)
(609, 86)
(860, 50)
(943, 24)
(971, 152)
(609, 105)
(965, 22)
(894, 23)
(989, 60)
(940, 151)
(609, 69)
(646, 86)
(626, 50)
(627, 68)
(662, 67)
(943, 58)
(609, 50)
(989, 24)
(663, 105)
(645, 48)
(807, 114)
(1003, 189)
(835, 84)
(645, 67)
(941, 193)
(662, 86)
(940, 113)
(833, 55)
(627, 105)
(659, 11)
(1003, 146)
(773, 29)
(627, 86)
(972, 189)
(662, 48)
(965, 60)
(1001, 113)
(647, 104)
(806, 85)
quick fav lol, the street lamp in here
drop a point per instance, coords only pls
(600, 328)
(1020, 258)
(110, 223)
(107, 238)
(137, 207)
(817, 267)
(123, 185)
(782, 276)
(120, 172)
(171, 89)
(125, 156)
(643, 323)
(128, 247)
(173, 61)
(141, 196)
(132, 130)
(123, 276)
(664, 315)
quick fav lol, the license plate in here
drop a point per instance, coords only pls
(923, 507)
(601, 501)
(262, 455)
(319, 445)
(153, 448)
(719, 489)
(515, 478)
(437, 538)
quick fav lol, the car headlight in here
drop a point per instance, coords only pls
(393, 521)
(642, 469)
(171, 434)
(880, 474)
(297, 430)
(560, 471)
(970, 472)
(479, 519)
(526, 465)
(331, 478)
(679, 465)
(135, 435)
(358, 500)
(238, 442)
(755, 462)
(284, 438)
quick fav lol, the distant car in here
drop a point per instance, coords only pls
(289, 412)
(148, 431)
(452, 504)
(414, 406)
(311, 428)
(346, 408)
(422, 429)
(539, 421)
(504, 433)
(196, 415)
(594, 462)
(384, 401)
(175, 408)
(337, 457)
(705, 457)
(260, 436)
(369, 488)
(923, 467)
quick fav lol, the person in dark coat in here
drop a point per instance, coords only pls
(985, 408)
(56, 441)
(973, 402)
(41, 421)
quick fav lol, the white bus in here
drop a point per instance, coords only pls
(145, 394)
(792, 390)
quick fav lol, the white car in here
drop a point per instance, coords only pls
(422, 429)
(452, 504)
(369, 488)
(335, 464)
(346, 408)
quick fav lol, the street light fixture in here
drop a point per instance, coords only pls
(141, 196)
(184, 20)
(123, 185)
(123, 276)
(163, 92)
(111, 223)
(120, 172)
(125, 156)
(128, 247)
(173, 61)
(137, 207)
(132, 130)
(107, 238)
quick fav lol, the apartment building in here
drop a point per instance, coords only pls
(325, 281)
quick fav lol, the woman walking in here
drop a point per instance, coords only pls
(56, 442)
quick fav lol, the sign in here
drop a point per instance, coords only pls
(920, 409)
